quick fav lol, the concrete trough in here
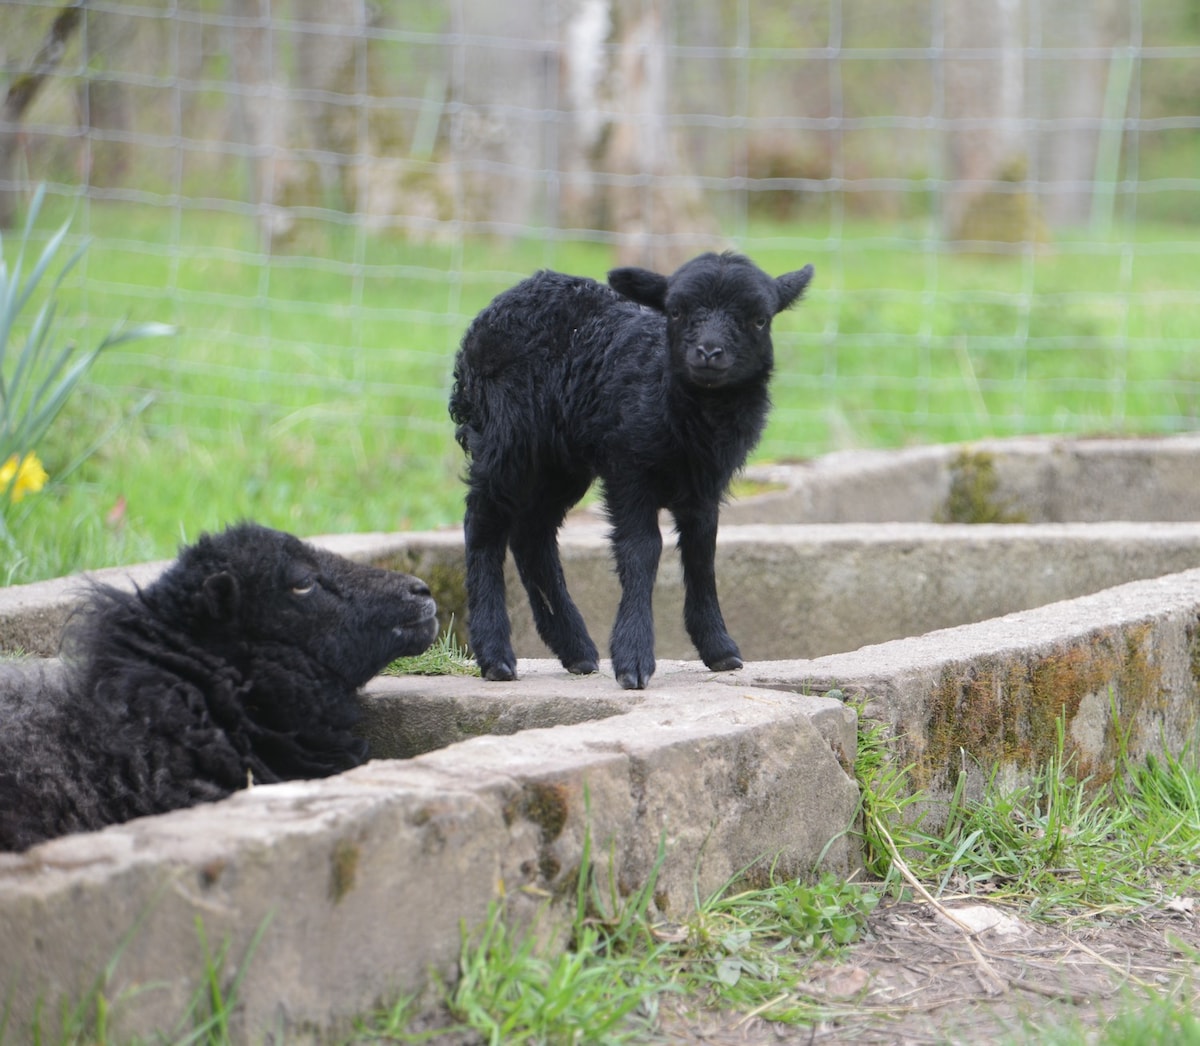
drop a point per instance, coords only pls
(359, 884)
(334, 896)
(1028, 479)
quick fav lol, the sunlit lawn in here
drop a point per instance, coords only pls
(308, 391)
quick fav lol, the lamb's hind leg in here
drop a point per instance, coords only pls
(701, 611)
(486, 530)
(559, 623)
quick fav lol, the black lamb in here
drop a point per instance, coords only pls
(239, 665)
(658, 386)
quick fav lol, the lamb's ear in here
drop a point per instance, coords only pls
(791, 285)
(640, 285)
(221, 595)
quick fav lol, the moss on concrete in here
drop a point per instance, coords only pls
(1193, 637)
(343, 869)
(547, 806)
(742, 488)
(1006, 712)
(974, 496)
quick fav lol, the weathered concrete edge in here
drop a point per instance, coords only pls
(820, 587)
(967, 698)
(360, 882)
(1043, 478)
(973, 696)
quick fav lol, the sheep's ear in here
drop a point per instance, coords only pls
(791, 285)
(221, 595)
(640, 285)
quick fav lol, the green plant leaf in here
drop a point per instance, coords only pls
(38, 378)
(729, 970)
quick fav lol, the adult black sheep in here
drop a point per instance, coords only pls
(239, 664)
(656, 385)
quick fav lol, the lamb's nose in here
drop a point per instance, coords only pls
(419, 588)
(708, 353)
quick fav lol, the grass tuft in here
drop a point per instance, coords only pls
(446, 657)
(1061, 846)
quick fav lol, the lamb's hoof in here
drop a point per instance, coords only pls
(582, 668)
(502, 672)
(636, 678)
(726, 664)
(633, 673)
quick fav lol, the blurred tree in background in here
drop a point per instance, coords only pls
(648, 118)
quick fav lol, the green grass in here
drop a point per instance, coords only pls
(206, 1020)
(739, 951)
(1167, 1021)
(307, 390)
(446, 657)
(1061, 846)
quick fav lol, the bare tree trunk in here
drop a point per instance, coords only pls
(504, 89)
(104, 102)
(585, 68)
(264, 114)
(331, 66)
(658, 212)
(21, 93)
(1073, 93)
(985, 100)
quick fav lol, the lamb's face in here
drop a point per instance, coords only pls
(274, 591)
(719, 323)
(719, 309)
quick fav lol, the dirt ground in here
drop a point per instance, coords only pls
(919, 978)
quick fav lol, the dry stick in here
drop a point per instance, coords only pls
(967, 932)
(906, 872)
(763, 1007)
(1112, 965)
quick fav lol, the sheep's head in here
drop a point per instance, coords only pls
(262, 588)
(718, 309)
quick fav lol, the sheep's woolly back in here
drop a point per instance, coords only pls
(233, 706)
(31, 693)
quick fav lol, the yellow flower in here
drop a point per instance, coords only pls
(21, 475)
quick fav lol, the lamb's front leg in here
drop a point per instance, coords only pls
(637, 547)
(701, 611)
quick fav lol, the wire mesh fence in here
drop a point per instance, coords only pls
(1001, 199)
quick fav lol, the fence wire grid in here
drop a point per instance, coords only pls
(1000, 197)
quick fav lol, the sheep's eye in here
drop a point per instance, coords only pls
(675, 314)
(760, 322)
(304, 589)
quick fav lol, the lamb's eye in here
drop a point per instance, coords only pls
(676, 314)
(303, 589)
(760, 322)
